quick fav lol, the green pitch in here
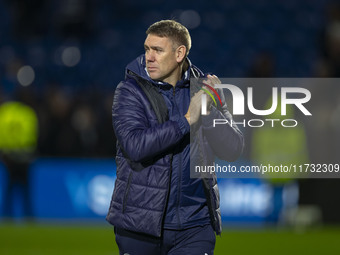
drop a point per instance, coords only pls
(99, 240)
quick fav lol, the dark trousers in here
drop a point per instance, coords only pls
(192, 241)
(18, 179)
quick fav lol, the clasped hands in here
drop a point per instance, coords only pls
(194, 110)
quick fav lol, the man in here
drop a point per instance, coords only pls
(156, 207)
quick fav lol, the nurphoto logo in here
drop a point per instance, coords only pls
(239, 104)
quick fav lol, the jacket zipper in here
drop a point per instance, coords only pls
(169, 184)
(127, 191)
(179, 172)
(179, 191)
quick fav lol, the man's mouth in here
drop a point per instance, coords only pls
(152, 68)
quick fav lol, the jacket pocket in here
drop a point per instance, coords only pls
(127, 190)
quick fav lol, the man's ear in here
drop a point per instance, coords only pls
(180, 53)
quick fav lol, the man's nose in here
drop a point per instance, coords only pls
(149, 56)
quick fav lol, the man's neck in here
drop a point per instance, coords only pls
(178, 73)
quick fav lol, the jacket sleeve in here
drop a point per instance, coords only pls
(226, 140)
(139, 140)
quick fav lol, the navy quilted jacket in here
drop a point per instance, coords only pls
(161, 193)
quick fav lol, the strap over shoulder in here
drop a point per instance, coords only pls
(155, 98)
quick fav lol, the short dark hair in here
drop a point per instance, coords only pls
(178, 33)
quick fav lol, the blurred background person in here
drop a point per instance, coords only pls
(18, 142)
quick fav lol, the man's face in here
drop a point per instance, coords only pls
(160, 58)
